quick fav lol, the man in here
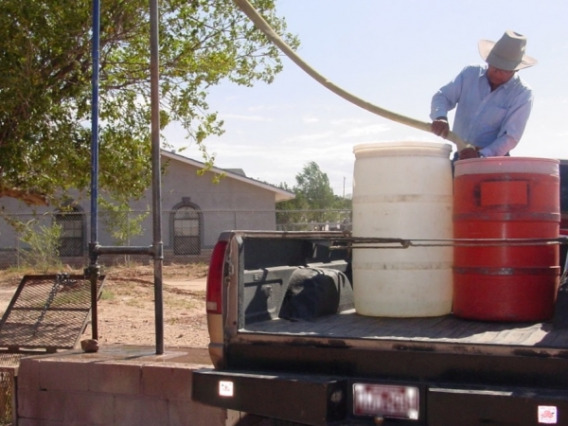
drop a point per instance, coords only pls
(493, 103)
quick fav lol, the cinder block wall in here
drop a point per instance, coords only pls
(92, 389)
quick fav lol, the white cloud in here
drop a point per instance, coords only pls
(364, 131)
(310, 138)
(347, 121)
(244, 117)
(310, 119)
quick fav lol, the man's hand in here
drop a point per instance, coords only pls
(469, 151)
(440, 127)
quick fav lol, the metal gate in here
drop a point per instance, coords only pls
(47, 312)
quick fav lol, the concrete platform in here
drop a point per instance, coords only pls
(119, 385)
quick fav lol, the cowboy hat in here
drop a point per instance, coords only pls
(508, 53)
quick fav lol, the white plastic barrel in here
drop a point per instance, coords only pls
(403, 190)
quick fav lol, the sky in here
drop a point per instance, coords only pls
(394, 54)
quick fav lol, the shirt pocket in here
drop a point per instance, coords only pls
(491, 118)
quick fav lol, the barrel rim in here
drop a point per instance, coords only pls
(394, 148)
(489, 165)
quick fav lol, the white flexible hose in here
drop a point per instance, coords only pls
(262, 25)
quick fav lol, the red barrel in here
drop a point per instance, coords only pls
(498, 200)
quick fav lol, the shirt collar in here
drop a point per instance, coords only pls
(506, 85)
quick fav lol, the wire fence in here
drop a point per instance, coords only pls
(186, 231)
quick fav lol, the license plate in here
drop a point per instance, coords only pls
(399, 402)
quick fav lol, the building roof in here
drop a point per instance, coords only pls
(237, 174)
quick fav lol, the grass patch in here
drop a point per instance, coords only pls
(107, 295)
(180, 302)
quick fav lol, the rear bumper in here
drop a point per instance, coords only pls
(325, 400)
(305, 399)
(497, 406)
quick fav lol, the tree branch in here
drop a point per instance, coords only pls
(30, 198)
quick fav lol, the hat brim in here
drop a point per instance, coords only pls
(485, 47)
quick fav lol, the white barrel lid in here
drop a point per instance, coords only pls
(545, 166)
(403, 148)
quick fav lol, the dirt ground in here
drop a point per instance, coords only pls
(126, 310)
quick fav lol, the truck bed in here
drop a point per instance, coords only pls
(263, 291)
(445, 329)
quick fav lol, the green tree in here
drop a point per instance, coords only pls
(45, 93)
(43, 242)
(313, 187)
(315, 203)
(122, 223)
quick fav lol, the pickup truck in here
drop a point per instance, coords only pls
(289, 347)
(313, 360)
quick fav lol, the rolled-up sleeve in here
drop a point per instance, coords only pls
(446, 98)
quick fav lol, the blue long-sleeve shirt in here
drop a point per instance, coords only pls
(493, 121)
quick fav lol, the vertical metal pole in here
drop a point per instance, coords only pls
(92, 270)
(156, 171)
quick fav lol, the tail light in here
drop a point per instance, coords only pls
(215, 279)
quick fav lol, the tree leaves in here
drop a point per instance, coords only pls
(315, 204)
(45, 91)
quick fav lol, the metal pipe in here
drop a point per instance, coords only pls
(156, 176)
(95, 120)
(147, 250)
(93, 271)
(156, 250)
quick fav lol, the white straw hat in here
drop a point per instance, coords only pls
(508, 53)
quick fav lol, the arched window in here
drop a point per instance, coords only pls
(72, 240)
(187, 230)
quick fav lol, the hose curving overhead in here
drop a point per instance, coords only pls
(262, 25)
